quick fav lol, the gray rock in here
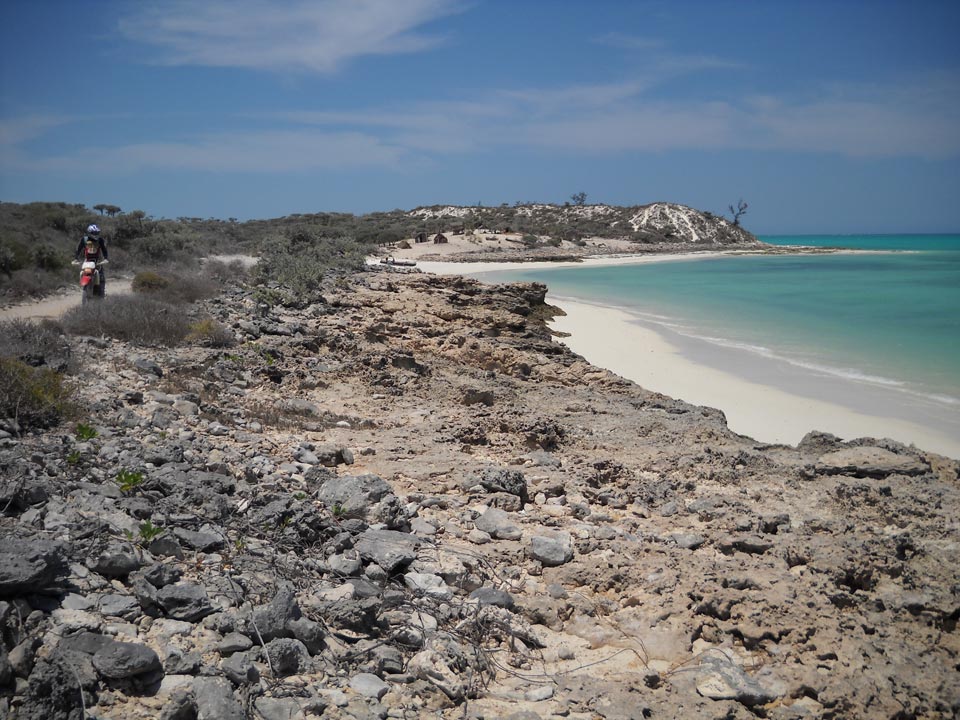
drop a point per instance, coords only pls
(353, 495)
(369, 685)
(118, 660)
(166, 545)
(148, 367)
(687, 541)
(538, 694)
(287, 656)
(346, 564)
(6, 669)
(270, 708)
(869, 461)
(201, 541)
(389, 549)
(498, 524)
(33, 566)
(720, 678)
(122, 606)
(215, 700)
(21, 658)
(117, 561)
(181, 705)
(492, 596)
(552, 550)
(273, 618)
(428, 584)
(495, 479)
(239, 669)
(308, 632)
(178, 662)
(185, 601)
(234, 642)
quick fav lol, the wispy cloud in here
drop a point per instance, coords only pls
(14, 131)
(255, 152)
(918, 117)
(304, 35)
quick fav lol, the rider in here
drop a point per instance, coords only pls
(92, 247)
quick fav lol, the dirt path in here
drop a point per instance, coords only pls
(54, 306)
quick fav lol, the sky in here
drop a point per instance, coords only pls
(839, 116)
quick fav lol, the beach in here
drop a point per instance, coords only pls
(760, 398)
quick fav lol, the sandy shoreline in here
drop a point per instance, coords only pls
(780, 408)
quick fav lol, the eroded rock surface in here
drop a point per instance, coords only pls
(401, 498)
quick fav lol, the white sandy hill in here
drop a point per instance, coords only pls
(658, 222)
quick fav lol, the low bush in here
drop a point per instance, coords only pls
(178, 287)
(149, 281)
(34, 397)
(137, 319)
(210, 333)
(36, 344)
(224, 272)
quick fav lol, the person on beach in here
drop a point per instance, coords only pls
(93, 243)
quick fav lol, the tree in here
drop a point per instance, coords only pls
(737, 212)
(112, 210)
(579, 198)
(101, 207)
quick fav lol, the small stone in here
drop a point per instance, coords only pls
(185, 601)
(234, 642)
(478, 537)
(492, 596)
(539, 694)
(239, 670)
(119, 660)
(369, 685)
(552, 550)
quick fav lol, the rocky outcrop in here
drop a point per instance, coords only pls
(412, 502)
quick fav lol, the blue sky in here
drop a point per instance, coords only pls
(826, 117)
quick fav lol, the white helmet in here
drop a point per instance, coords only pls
(93, 230)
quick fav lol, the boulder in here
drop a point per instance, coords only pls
(33, 566)
(119, 660)
(869, 461)
(389, 549)
(553, 549)
(185, 601)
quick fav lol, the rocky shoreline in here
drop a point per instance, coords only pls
(407, 500)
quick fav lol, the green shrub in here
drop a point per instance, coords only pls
(129, 480)
(210, 333)
(34, 397)
(137, 319)
(149, 281)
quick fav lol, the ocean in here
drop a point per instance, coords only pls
(885, 322)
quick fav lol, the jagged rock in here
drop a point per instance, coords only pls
(122, 606)
(552, 550)
(52, 691)
(308, 632)
(271, 708)
(495, 479)
(428, 584)
(148, 367)
(119, 660)
(234, 642)
(869, 461)
(33, 566)
(498, 524)
(239, 670)
(185, 601)
(720, 678)
(273, 620)
(287, 656)
(6, 669)
(352, 495)
(181, 705)
(389, 549)
(215, 700)
(201, 541)
(116, 561)
(369, 685)
(21, 658)
(492, 596)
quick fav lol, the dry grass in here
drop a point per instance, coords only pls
(137, 319)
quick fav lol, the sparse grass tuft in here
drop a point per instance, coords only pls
(129, 480)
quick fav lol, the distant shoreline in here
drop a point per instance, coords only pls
(770, 412)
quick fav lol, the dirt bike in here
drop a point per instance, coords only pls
(90, 285)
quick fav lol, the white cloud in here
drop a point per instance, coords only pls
(264, 152)
(14, 131)
(306, 35)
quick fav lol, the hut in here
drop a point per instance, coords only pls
(421, 237)
(440, 239)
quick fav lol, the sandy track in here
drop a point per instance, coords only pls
(54, 306)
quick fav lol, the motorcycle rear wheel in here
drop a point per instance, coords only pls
(86, 292)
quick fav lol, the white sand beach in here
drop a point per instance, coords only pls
(759, 401)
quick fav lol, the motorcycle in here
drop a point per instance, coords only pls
(90, 285)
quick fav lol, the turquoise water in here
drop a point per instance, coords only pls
(889, 319)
